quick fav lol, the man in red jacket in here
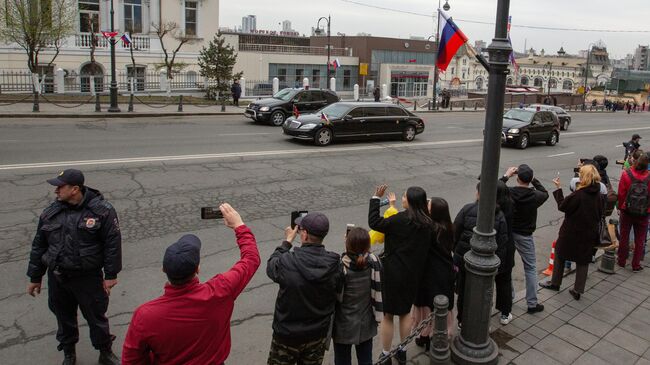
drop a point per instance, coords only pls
(190, 322)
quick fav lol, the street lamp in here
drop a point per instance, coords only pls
(318, 31)
(550, 71)
(446, 7)
(113, 89)
(473, 345)
(584, 93)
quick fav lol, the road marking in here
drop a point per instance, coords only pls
(561, 154)
(312, 150)
(620, 145)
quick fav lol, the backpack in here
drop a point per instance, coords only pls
(612, 199)
(636, 201)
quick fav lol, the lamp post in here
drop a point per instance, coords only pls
(113, 89)
(446, 7)
(550, 70)
(473, 345)
(584, 94)
(328, 19)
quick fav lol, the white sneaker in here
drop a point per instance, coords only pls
(504, 320)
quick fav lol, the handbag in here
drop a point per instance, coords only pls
(604, 239)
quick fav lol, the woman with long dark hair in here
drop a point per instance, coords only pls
(408, 236)
(438, 274)
(359, 307)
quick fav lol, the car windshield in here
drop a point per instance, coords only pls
(519, 114)
(334, 110)
(285, 94)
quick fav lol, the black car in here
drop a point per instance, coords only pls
(562, 115)
(276, 109)
(354, 120)
(522, 127)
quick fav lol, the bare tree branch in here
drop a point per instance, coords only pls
(172, 29)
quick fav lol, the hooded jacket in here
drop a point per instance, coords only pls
(310, 278)
(525, 201)
(77, 238)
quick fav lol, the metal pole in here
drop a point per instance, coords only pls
(473, 345)
(584, 94)
(113, 89)
(328, 47)
(435, 64)
(439, 341)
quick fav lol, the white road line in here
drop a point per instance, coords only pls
(312, 150)
(620, 145)
(561, 154)
(229, 155)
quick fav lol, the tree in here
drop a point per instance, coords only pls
(217, 62)
(171, 29)
(36, 25)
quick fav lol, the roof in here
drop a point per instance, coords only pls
(556, 61)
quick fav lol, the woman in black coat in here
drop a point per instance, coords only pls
(579, 232)
(438, 274)
(408, 236)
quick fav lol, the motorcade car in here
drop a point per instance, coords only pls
(522, 127)
(562, 115)
(276, 109)
(354, 120)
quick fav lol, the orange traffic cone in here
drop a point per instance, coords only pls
(549, 270)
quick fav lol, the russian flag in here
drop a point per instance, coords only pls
(451, 38)
(336, 63)
(126, 39)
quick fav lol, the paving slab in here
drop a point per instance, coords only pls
(591, 324)
(613, 354)
(576, 336)
(534, 356)
(558, 349)
(635, 344)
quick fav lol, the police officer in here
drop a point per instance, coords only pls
(78, 235)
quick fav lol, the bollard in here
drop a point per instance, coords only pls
(475, 106)
(463, 106)
(36, 106)
(180, 103)
(98, 106)
(131, 102)
(223, 105)
(607, 261)
(415, 105)
(428, 104)
(451, 106)
(439, 341)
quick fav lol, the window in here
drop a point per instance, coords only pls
(346, 78)
(137, 73)
(331, 97)
(375, 112)
(316, 95)
(282, 75)
(190, 18)
(315, 78)
(524, 80)
(356, 113)
(394, 111)
(133, 16)
(88, 16)
(538, 82)
(299, 75)
(567, 85)
(552, 83)
(464, 61)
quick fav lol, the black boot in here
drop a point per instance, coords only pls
(69, 356)
(107, 357)
(423, 341)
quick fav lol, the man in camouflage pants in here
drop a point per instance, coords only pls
(309, 278)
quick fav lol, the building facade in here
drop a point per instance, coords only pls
(249, 24)
(641, 59)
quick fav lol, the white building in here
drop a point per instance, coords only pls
(286, 26)
(641, 59)
(249, 24)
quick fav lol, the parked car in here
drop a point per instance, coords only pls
(354, 120)
(562, 115)
(521, 127)
(276, 109)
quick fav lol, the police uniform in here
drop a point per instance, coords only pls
(78, 246)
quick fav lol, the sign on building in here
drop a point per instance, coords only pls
(363, 69)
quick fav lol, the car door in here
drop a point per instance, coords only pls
(374, 120)
(395, 121)
(318, 99)
(303, 101)
(535, 127)
(548, 124)
(350, 124)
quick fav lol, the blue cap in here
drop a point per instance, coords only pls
(72, 177)
(182, 257)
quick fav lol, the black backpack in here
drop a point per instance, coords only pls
(636, 201)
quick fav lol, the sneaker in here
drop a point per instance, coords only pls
(504, 320)
(638, 269)
(548, 285)
(535, 309)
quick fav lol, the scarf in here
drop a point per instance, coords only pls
(350, 263)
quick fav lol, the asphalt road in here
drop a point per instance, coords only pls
(158, 172)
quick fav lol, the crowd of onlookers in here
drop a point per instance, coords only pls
(347, 299)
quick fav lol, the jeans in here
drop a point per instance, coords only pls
(640, 226)
(526, 248)
(343, 353)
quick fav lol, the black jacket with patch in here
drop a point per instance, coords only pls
(77, 239)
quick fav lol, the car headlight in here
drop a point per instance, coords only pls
(513, 130)
(307, 127)
(250, 105)
(264, 109)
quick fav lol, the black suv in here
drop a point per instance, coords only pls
(522, 127)
(354, 120)
(276, 109)
(562, 115)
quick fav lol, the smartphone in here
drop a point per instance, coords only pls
(295, 214)
(348, 228)
(557, 175)
(211, 213)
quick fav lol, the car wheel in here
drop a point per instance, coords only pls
(523, 141)
(323, 137)
(566, 125)
(409, 133)
(553, 139)
(277, 118)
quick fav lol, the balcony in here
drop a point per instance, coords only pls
(84, 40)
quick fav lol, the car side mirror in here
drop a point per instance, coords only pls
(347, 117)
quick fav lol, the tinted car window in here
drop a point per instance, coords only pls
(519, 114)
(316, 95)
(302, 97)
(375, 111)
(330, 97)
(547, 117)
(537, 118)
(356, 113)
(395, 111)
(335, 110)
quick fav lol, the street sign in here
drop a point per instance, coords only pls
(363, 69)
